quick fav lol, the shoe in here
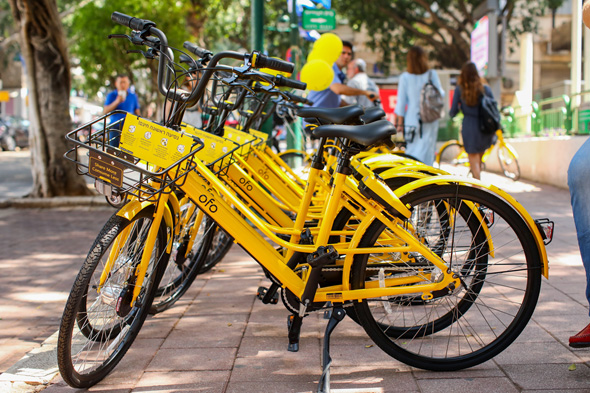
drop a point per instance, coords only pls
(582, 339)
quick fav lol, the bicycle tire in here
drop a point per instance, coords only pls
(221, 243)
(450, 155)
(292, 157)
(181, 270)
(503, 305)
(95, 331)
(508, 163)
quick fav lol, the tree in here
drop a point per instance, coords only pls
(44, 50)
(442, 26)
(102, 59)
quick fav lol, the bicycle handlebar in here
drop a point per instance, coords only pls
(286, 82)
(297, 98)
(262, 61)
(166, 59)
(131, 22)
(197, 50)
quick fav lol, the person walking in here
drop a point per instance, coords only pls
(359, 79)
(468, 94)
(578, 174)
(420, 137)
(122, 99)
(330, 97)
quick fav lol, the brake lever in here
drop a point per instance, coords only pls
(110, 36)
(148, 55)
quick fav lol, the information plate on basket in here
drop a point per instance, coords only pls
(238, 136)
(101, 165)
(152, 142)
(215, 146)
(259, 134)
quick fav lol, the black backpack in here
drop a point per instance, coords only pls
(489, 115)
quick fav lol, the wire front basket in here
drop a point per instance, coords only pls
(127, 154)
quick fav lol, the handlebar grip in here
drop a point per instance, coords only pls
(261, 61)
(130, 21)
(286, 82)
(297, 98)
(201, 52)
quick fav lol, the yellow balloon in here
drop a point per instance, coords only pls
(318, 75)
(329, 45)
(317, 55)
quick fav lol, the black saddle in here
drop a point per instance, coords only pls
(365, 135)
(344, 115)
(373, 113)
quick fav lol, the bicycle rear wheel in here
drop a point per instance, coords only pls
(221, 243)
(99, 323)
(184, 265)
(470, 324)
(509, 163)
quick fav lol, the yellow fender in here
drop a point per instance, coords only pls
(133, 207)
(502, 194)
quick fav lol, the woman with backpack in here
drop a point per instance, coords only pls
(419, 106)
(467, 98)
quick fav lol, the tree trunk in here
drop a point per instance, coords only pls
(43, 47)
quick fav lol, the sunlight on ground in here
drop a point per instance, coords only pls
(44, 297)
(496, 179)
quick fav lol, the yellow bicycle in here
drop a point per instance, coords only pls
(453, 153)
(443, 274)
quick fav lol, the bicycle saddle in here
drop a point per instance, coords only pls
(333, 115)
(372, 114)
(366, 135)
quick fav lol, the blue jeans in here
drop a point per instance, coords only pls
(114, 137)
(578, 180)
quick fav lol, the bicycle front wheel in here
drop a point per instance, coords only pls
(99, 323)
(509, 163)
(500, 275)
(451, 155)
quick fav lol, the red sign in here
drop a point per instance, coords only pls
(389, 101)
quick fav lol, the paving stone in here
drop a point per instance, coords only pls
(365, 377)
(185, 381)
(302, 386)
(276, 347)
(486, 369)
(289, 368)
(468, 385)
(208, 331)
(193, 359)
(549, 376)
(535, 353)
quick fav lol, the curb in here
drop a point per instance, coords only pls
(27, 203)
(34, 371)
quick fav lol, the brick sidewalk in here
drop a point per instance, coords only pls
(212, 341)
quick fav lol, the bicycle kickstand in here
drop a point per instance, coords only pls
(338, 314)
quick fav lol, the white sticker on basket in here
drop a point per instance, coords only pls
(152, 142)
(215, 146)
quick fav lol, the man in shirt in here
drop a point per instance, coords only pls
(121, 99)
(330, 97)
(360, 80)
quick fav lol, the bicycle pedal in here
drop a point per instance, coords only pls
(294, 322)
(266, 297)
